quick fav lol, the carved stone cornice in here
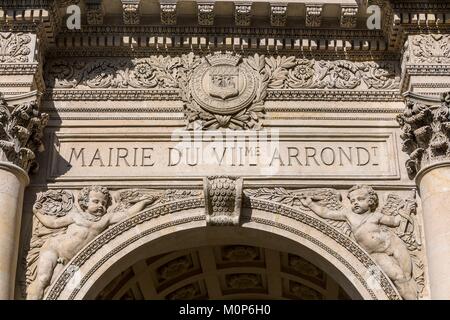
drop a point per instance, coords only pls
(425, 131)
(21, 133)
(223, 200)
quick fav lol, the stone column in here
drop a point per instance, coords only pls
(426, 130)
(21, 128)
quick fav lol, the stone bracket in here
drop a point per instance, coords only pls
(223, 200)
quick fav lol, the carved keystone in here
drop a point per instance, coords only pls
(223, 200)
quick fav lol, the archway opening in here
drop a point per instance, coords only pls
(236, 264)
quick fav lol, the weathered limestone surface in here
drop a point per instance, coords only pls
(264, 139)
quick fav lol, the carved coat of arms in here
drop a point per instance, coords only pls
(223, 90)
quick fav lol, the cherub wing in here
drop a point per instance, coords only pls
(408, 230)
(329, 198)
(56, 203)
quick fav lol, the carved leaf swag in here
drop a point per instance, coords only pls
(13, 47)
(21, 133)
(425, 133)
(408, 230)
(58, 203)
(165, 72)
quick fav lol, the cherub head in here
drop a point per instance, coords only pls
(95, 200)
(363, 199)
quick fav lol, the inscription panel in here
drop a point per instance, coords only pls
(247, 154)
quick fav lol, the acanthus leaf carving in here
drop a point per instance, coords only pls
(21, 133)
(432, 48)
(14, 47)
(425, 132)
(394, 226)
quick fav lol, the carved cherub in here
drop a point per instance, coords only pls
(370, 229)
(68, 231)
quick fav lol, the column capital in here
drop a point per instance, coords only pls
(425, 124)
(21, 131)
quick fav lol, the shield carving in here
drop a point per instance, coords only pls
(224, 82)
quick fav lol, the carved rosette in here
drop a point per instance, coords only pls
(21, 133)
(223, 200)
(426, 132)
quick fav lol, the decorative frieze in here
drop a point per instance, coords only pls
(426, 131)
(213, 92)
(21, 133)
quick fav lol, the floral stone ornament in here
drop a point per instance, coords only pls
(226, 91)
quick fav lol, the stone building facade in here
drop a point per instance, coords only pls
(224, 149)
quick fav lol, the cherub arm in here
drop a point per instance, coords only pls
(390, 221)
(323, 211)
(137, 207)
(52, 222)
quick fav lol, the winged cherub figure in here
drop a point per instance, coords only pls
(370, 229)
(78, 229)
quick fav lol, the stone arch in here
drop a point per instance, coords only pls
(336, 252)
